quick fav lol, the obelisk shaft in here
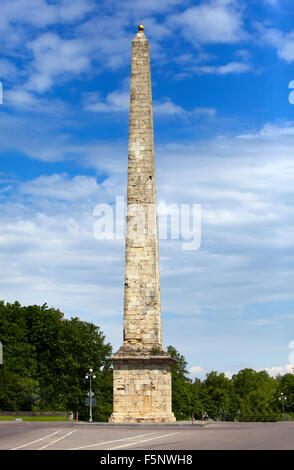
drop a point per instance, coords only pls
(142, 311)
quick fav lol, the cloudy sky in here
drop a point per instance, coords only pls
(224, 138)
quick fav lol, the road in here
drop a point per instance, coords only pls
(70, 436)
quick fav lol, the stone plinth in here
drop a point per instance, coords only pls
(142, 390)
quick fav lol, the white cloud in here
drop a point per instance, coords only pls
(20, 20)
(272, 371)
(24, 100)
(116, 101)
(49, 58)
(196, 371)
(286, 47)
(279, 370)
(47, 142)
(231, 67)
(141, 7)
(40, 13)
(50, 255)
(119, 101)
(273, 3)
(204, 111)
(54, 57)
(166, 106)
(197, 65)
(70, 11)
(60, 186)
(283, 42)
(21, 98)
(8, 70)
(217, 21)
(229, 374)
(107, 51)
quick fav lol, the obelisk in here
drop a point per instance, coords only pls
(141, 367)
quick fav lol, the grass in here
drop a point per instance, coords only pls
(34, 418)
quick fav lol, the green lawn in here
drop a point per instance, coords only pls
(34, 418)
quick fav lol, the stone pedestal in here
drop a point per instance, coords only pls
(142, 390)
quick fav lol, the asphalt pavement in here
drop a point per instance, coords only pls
(24, 435)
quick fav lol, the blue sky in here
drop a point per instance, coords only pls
(224, 137)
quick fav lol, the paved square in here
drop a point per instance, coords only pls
(219, 436)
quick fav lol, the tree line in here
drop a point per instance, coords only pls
(46, 357)
(248, 396)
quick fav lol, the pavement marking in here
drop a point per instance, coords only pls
(37, 440)
(116, 440)
(56, 440)
(139, 442)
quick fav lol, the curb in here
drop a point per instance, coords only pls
(159, 425)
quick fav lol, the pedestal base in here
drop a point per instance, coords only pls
(142, 390)
(147, 418)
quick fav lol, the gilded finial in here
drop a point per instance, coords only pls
(140, 28)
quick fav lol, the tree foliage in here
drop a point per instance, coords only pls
(247, 396)
(182, 390)
(45, 360)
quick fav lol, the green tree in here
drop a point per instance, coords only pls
(182, 388)
(285, 385)
(45, 360)
(216, 395)
(19, 385)
(257, 395)
(83, 347)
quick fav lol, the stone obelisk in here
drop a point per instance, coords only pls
(141, 367)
